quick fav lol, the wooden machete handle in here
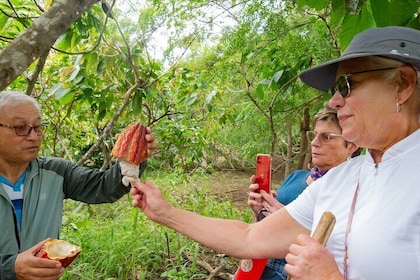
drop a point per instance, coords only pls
(323, 230)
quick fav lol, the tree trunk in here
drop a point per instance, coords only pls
(304, 154)
(39, 38)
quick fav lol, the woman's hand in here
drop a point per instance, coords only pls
(309, 260)
(254, 199)
(262, 202)
(146, 196)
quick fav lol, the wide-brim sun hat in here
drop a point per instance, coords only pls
(396, 42)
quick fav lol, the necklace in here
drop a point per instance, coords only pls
(348, 229)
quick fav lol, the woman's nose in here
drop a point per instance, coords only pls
(336, 100)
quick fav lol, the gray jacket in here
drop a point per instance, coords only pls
(48, 181)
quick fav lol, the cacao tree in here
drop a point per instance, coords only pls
(226, 85)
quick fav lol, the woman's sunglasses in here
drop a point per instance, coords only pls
(343, 84)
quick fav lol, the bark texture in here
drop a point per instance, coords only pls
(39, 38)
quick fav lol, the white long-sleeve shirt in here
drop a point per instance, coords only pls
(384, 241)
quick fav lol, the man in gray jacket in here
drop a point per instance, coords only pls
(32, 189)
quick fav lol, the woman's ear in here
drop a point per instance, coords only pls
(351, 148)
(407, 82)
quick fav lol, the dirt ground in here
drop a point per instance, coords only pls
(233, 185)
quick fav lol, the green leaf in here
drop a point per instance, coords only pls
(64, 41)
(210, 96)
(61, 93)
(338, 12)
(354, 24)
(136, 105)
(91, 62)
(101, 114)
(393, 12)
(380, 11)
(259, 93)
(191, 100)
(277, 76)
(74, 73)
(265, 82)
(316, 4)
(3, 20)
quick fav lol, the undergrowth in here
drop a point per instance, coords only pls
(120, 242)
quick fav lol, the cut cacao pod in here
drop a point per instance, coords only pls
(131, 144)
(59, 250)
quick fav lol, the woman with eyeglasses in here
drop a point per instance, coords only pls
(328, 149)
(375, 197)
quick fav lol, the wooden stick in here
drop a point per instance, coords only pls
(323, 230)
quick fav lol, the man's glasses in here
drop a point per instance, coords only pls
(25, 130)
(343, 84)
(322, 136)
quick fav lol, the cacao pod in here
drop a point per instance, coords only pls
(131, 144)
(59, 250)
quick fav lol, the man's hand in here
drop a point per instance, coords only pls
(151, 142)
(129, 171)
(30, 267)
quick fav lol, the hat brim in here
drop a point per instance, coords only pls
(395, 42)
(323, 76)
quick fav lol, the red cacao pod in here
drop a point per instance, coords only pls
(59, 250)
(131, 144)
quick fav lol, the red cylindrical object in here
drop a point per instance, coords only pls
(250, 269)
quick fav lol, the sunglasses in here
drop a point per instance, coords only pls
(25, 130)
(343, 84)
(323, 137)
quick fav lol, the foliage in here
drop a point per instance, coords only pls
(354, 16)
(223, 88)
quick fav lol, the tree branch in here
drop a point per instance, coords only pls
(39, 38)
(38, 70)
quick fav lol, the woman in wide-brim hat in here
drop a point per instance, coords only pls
(375, 198)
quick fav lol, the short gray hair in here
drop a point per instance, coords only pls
(13, 98)
(383, 62)
(326, 114)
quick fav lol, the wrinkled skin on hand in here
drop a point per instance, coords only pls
(262, 200)
(309, 260)
(146, 196)
(30, 267)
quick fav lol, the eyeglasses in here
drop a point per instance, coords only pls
(322, 136)
(25, 130)
(343, 84)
